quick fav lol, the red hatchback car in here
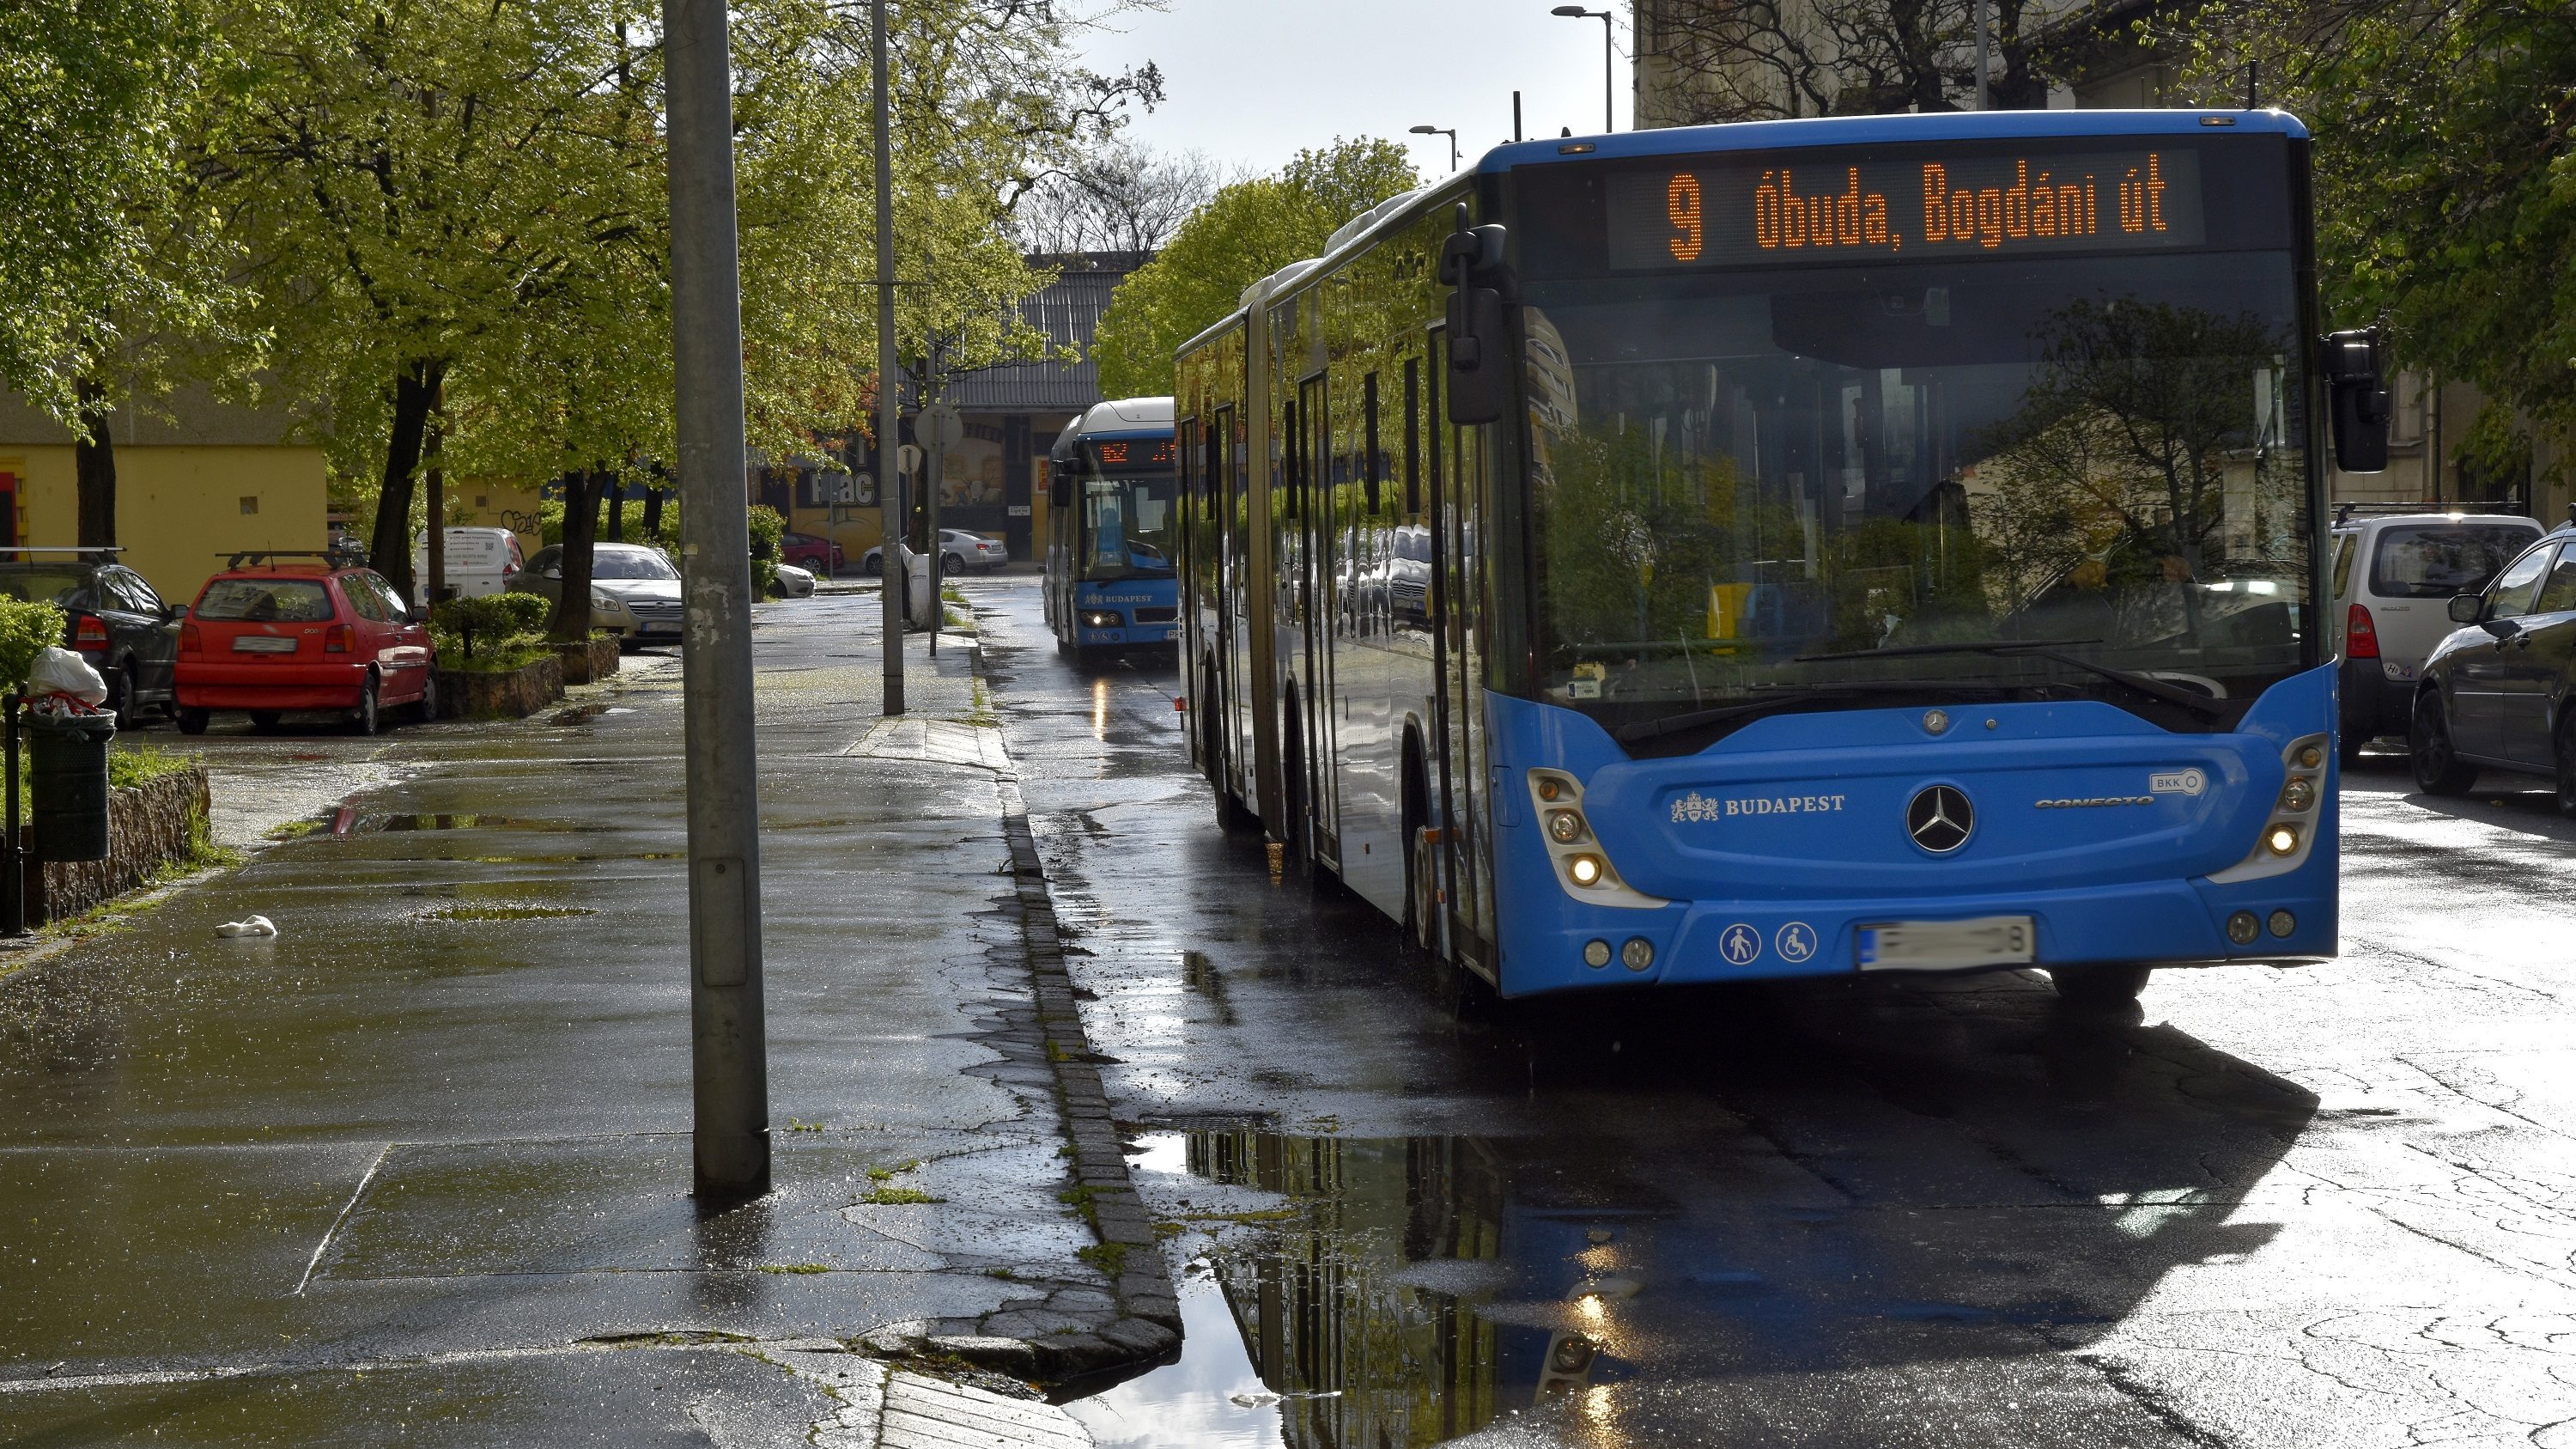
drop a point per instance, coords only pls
(810, 551)
(271, 637)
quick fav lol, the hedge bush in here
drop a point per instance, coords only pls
(26, 630)
(503, 631)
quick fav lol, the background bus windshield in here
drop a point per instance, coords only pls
(1128, 519)
(1736, 471)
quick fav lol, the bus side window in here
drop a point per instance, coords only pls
(1412, 437)
(1369, 469)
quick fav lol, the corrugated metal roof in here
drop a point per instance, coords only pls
(1069, 309)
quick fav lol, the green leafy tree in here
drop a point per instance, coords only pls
(1248, 231)
(107, 256)
(2446, 177)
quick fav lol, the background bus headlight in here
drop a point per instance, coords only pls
(1586, 869)
(1099, 619)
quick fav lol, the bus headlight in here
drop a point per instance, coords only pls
(1582, 866)
(1099, 619)
(2288, 829)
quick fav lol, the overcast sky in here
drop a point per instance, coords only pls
(1250, 82)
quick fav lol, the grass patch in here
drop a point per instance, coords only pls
(1002, 1273)
(1109, 1258)
(294, 829)
(883, 1174)
(794, 1268)
(129, 765)
(897, 1197)
(798, 1125)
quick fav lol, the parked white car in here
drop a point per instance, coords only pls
(794, 582)
(638, 577)
(2394, 575)
(479, 561)
(959, 552)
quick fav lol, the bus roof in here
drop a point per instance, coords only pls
(1126, 417)
(1865, 130)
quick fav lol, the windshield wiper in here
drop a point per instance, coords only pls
(1779, 699)
(2054, 651)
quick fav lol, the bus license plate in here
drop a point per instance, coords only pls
(1947, 945)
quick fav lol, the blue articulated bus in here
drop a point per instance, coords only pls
(1112, 526)
(1803, 548)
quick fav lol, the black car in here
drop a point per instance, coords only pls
(2495, 694)
(115, 621)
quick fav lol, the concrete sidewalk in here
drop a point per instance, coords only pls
(420, 1165)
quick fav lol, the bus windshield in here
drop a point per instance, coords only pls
(1833, 480)
(1129, 524)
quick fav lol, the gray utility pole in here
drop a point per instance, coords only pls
(731, 1056)
(942, 428)
(889, 407)
(1984, 101)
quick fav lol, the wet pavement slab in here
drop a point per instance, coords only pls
(2321, 1207)
(419, 1166)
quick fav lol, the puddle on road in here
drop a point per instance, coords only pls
(1387, 1291)
(371, 824)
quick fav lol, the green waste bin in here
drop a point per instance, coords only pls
(67, 775)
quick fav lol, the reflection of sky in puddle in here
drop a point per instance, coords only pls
(1190, 1402)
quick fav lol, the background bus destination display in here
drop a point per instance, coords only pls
(1925, 207)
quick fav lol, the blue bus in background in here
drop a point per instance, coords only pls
(1802, 548)
(1112, 530)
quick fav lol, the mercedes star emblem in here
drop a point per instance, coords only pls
(1936, 721)
(1940, 818)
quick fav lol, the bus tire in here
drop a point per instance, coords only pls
(1296, 830)
(2099, 987)
(1421, 895)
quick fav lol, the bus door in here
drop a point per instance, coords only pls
(1458, 611)
(1320, 518)
(1234, 502)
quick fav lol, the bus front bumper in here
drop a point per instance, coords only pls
(2155, 922)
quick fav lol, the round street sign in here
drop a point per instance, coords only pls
(940, 426)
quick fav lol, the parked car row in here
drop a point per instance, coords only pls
(959, 551)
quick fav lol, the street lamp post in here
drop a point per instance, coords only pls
(1450, 132)
(1609, 90)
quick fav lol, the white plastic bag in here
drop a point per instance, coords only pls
(60, 671)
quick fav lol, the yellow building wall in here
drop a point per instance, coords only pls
(499, 503)
(180, 508)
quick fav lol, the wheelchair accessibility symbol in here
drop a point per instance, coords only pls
(1795, 942)
(1740, 944)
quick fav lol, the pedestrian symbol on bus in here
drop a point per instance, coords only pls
(1740, 944)
(1796, 941)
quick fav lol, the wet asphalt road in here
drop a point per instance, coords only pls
(2320, 1207)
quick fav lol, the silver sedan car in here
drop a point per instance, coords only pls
(638, 578)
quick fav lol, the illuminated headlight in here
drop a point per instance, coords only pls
(1099, 619)
(2281, 839)
(2298, 795)
(1586, 869)
(1564, 826)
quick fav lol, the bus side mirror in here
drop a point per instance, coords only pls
(1479, 384)
(2358, 388)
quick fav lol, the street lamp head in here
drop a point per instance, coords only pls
(1571, 12)
(1425, 131)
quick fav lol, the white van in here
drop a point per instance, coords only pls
(2394, 575)
(479, 561)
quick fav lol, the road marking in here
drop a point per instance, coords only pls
(316, 1260)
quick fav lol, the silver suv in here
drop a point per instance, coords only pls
(2394, 575)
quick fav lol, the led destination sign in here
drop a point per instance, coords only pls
(1926, 207)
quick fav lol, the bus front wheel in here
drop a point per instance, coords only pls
(2099, 986)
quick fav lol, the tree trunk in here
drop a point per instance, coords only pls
(612, 497)
(94, 466)
(652, 513)
(581, 519)
(389, 550)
